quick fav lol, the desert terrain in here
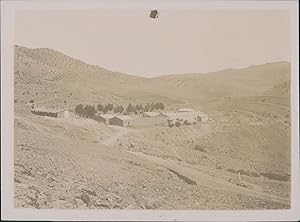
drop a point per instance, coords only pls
(240, 160)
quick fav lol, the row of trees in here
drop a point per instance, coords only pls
(130, 108)
(89, 111)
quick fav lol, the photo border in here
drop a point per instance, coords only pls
(9, 8)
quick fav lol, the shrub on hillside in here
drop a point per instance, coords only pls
(200, 148)
(177, 124)
(231, 170)
(186, 122)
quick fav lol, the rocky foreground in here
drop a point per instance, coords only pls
(58, 165)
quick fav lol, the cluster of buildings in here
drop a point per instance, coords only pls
(58, 113)
(117, 120)
(109, 119)
(182, 116)
(185, 116)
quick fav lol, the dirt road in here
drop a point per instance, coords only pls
(207, 180)
(210, 178)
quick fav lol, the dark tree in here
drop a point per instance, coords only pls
(130, 108)
(89, 111)
(140, 107)
(159, 105)
(152, 107)
(110, 107)
(100, 107)
(93, 111)
(79, 109)
(116, 109)
(121, 109)
(137, 107)
(147, 107)
(105, 108)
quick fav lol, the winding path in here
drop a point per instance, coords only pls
(202, 175)
(202, 178)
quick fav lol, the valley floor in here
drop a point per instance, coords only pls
(80, 163)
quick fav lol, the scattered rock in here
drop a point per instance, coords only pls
(34, 188)
(152, 203)
(93, 193)
(62, 198)
(22, 186)
(131, 207)
(117, 197)
(65, 204)
(17, 180)
(102, 203)
(80, 203)
(41, 201)
(110, 199)
(52, 179)
(85, 198)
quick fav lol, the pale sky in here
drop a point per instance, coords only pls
(179, 41)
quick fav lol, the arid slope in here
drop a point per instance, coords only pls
(80, 163)
(41, 74)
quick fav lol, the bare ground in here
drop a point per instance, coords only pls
(83, 164)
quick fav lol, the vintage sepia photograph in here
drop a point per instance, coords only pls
(152, 108)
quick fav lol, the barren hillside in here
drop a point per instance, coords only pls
(43, 73)
(240, 160)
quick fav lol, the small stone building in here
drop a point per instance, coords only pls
(151, 114)
(99, 119)
(46, 112)
(103, 118)
(123, 121)
(57, 113)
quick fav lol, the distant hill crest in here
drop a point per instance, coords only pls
(44, 73)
